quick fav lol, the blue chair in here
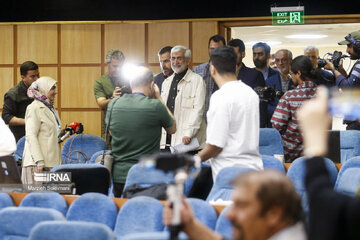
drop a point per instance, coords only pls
(45, 200)
(62, 230)
(222, 187)
(152, 236)
(87, 177)
(348, 180)
(79, 148)
(297, 173)
(93, 207)
(349, 144)
(147, 176)
(17, 222)
(269, 162)
(223, 225)
(203, 211)
(18, 154)
(139, 214)
(5, 200)
(270, 142)
(97, 154)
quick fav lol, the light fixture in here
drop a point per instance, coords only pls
(306, 36)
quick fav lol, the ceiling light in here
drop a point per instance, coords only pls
(307, 36)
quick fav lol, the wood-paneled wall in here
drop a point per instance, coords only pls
(74, 55)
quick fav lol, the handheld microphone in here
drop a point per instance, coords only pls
(72, 128)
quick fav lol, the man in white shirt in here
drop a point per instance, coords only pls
(7, 140)
(233, 118)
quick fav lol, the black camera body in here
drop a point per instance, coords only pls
(172, 162)
(268, 94)
(335, 59)
(125, 90)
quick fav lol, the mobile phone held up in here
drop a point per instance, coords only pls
(345, 103)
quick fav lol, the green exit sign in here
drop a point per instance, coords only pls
(287, 15)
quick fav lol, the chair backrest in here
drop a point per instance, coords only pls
(98, 153)
(79, 148)
(297, 173)
(18, 154)
(147, 176)
(87, 177)
(270, 142)
(270, 162)
(17, 222)
(5, 200)
(348, 180)
(223, 224)
(139, 214)
(45, 200)
(153, 235)
(222, 188)
(60, 230)
(203, 211)
(349, 144)
(93, 207)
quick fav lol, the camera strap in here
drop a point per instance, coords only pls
(107, 130)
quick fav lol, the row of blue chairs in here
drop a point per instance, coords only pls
(270, 143)
(80, 148)
(346, 181)
(139, 214)
(77, 149)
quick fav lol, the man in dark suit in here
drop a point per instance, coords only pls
(250, 76)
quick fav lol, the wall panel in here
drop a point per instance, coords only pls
(37, 43)
(6, 82)
(81, 43)
(155, 69)
(7, 44)
(164, 34)
(201, 32)
(73, 53)
(90, 120)
(77, 86)
(129, 38)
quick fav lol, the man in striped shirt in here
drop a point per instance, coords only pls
(284, 118)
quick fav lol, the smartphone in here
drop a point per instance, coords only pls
(345, 103)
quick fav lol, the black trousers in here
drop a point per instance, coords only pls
(118, 189)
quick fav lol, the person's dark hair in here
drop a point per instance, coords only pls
(224, 60)
(28, 66)
(164, 50)
(273, 189)
(217, 38)
(265, 46)
(237, 43)
(305, 66)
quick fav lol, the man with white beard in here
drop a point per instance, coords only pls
(184, 94)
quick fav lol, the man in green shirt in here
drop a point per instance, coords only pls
(135, 123)
(112, 84)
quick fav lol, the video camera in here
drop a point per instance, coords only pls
(334, 58)
(268, 94)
